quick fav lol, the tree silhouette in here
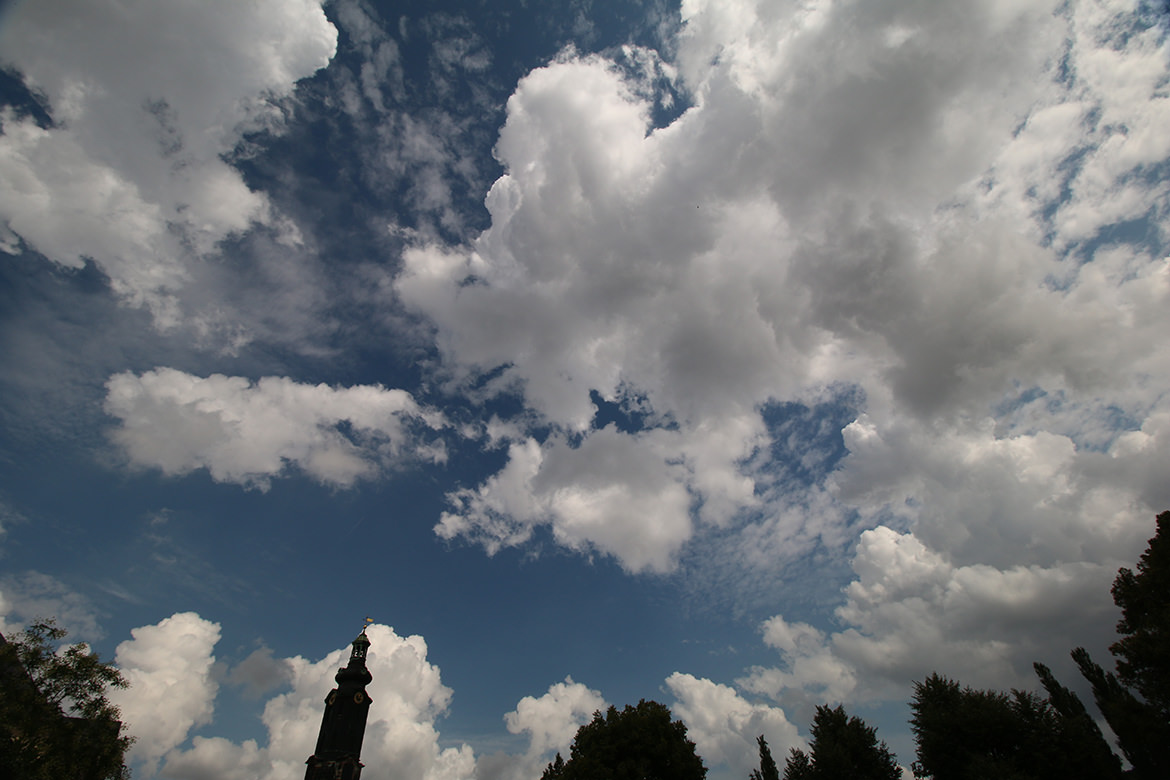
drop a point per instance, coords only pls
(798, 766)
(1136, 700)
(1143, 739)
(1082, 742)
(1143, 651)
(768, 769)
(636, 743)
(842, 746)
(55, 720)
(965, 734)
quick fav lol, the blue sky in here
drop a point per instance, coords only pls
(741, 355)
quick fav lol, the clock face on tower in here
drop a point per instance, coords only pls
(332, 698)
(358, 698)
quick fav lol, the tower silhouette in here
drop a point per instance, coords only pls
(343, 726)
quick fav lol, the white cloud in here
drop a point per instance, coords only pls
(1015, 540)
(840, 112)
(1125, 83)
(629, 496)
(724, 725)
(131, 173)
(168, 667)
(613, 493)
(551, 720)
(401, 740)
(1016, 537)
(248, 433)
(910, 612)
(408, 697)
(980, 497)
(811, 674)
(892, 198)
(859, 196)
(216, 757)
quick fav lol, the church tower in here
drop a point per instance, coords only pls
(339, 745)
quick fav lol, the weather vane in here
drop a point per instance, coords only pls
(367, 623)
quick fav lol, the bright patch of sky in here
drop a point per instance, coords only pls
(742, 355)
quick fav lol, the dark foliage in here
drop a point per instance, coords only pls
(842, 746)
(1081, 740)
(1143, 651)
(1142, 735)
(798, 766)
(636, 743)
(768, 769)
(556, 768)
(964, 734)
(1136, 700)
(55, 720)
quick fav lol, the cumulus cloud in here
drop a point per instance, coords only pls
(131, 172)
(249, 433)
(168, 667)
(724, 725)
(910, 612)
(605, 495)
(551, 720)
(1015, 542)
(401, 740)
(952, 216)
(214, 757)
(979, 496)
(720, 721)
(408, 698)
(860, 196)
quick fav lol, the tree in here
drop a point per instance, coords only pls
(768, 769)
(555, 768)
(55, 720)
(964, 734)
(636, 743)
(1136, 700)
(842, 746)
(1143, 651)
(1081, 740)
(797, 767)
(1143, 738)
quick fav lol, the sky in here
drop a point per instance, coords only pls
(744, 355)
